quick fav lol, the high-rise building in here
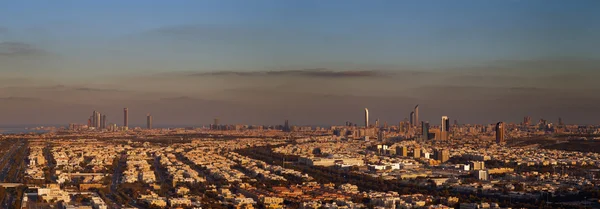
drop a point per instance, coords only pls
(417, 115)
(526, 120)
(215, 124)
(125, 117)
(94, 124)
(377, 123)
(445, 128)
(366, 118)
(500, 132)
(103, 122)
(149, 121)
(412, 119)
(441, 155)
(98, 120)
(286, 126)
(425, 129)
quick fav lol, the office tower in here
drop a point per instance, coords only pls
(149, 121)
(377, 123)
(286, 126)
(500, 132)
(412, 118)
(94, 119)
(89, 122)
(445, 128)
(103, 122)
(455, 122)
(98, 120)
(125, 117)
(425, 134)
(416, 152)
(417, 115)
(216, 124)
(366, 118)
(441, 155)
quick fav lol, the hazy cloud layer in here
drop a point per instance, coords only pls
(316, 96)
(319, 72)
(18, 49)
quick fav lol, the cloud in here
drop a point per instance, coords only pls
(12, 49)
(95, 89)
(317, 72)
(19, 99)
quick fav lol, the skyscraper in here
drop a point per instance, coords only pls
(417, 115)
(98, 120)
(125, 117)
(499, 132)
(286, 126)
(94, 124)
(445, 128)
(425, 134)
(216, 124)
(412, 119)
(149, 121)
(366, 118)
(103, 122)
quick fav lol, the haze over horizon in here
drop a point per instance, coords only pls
(311, 62)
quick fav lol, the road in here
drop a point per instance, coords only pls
(115, 182)
(8, 157)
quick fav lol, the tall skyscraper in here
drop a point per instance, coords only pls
(377, 123)
(286, 126)
(499, 132)
(412, 119)
(445, 128)
(366, 118)
(125, 117)
(103, 122)
(215, 124)
(417, 115)
(425, 134)
(94, 124)
(98, 120)
(149, 121)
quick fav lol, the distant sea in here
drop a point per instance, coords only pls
(20, 131)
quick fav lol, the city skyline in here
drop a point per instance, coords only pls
(536, 58)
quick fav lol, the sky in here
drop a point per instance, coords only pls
(311, 62)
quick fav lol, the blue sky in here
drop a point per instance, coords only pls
(313, 62)
(268, 33)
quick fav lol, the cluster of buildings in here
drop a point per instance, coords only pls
(37, 161)
(138, 168)
(87, 159)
